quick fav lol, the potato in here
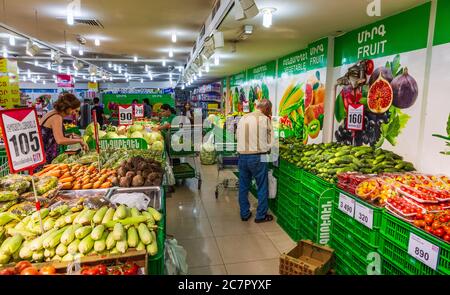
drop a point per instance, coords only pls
(124, 182)
(130, 174)
(137, 181)
(115, 181)
(145, 173)
(121, 171)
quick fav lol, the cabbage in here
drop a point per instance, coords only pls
(136, 134)
(86, 138)
(157, 146)
(122, 130)
(208, 147)
(111, 135)
(101, 134)
(151, 137)
(134, 128)
(90, 129)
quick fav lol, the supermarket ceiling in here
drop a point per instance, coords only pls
(143, 29)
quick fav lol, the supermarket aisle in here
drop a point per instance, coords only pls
(216, 240)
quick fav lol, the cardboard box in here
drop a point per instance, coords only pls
(307, 258)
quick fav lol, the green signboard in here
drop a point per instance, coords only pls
(260, 72)
(294, 63)
(403, 32)
(238, 79)
(442, 28)
(125, 143)
(128, 99)
(318, 54)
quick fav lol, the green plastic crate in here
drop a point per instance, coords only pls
(286, 226)
(344, 235)
(315, 183)
(312, 198)
(389, 268)
(342, 268)
(370, 236)
(294, 184)
(398, 231)
(4, 167)
(273, 206)
(290, 169)
(308, 228)
(183, 171)
(390, 250)
(156, 263)
(345, 254)
(291, 206)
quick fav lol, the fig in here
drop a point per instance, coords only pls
(385, 73)
(380, 96)
(405, 90)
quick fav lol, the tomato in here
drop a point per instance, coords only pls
(446, 238)
(101, 270)
(48, 270)
(91, 272)
(435, 225)
(22, 265)
(130, 269)
(116, 272)
(419, 215)
(428, 219)
(30, 271)
(428, 228)
(84, 270)
(10, 271)
(439, 232)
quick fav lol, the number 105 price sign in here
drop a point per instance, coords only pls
(23, 140)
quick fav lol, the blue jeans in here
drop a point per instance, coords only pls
(251, 166)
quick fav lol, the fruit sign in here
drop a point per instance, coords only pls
(125, 115)
(139, 111)
(355, 117)
(423, 251)
(23, 140)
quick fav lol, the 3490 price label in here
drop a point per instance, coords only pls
(125, 115)
(347, 205)
(23, 139)
(355, 117)
(139, 111)
(423, 251)
(364, 215)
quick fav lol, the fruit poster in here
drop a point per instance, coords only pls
(261, 84)
(292, 75)
(382, 67)
(238, 98)
(435, 149)
(315, 91)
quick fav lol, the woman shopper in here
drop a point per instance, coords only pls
(53, 128)
(188, 112)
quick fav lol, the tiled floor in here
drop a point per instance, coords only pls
(215, 238)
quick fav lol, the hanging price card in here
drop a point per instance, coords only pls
(347, 205)
(423, 251)
(125, 115)
(355, 117)
(364, 215)
(139, 111)
(23, 139)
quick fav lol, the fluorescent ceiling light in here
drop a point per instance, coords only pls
(120, 69)
(97, 42)
(43, 82)
(70, 20)
(110, 78)
(69, 50)
(146, 68)
(164, 63)
(109, 65)
(174, 37)
(142, 80)
(115, 67)
(49, 66)
(135, 59)
(12, 40)
(216, 60)
(267, 16)
(29, 73)
(80, 51)
(170, 52)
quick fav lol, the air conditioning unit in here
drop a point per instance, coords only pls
(218, 39)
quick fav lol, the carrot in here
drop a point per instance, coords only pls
(67, 186)
(66, 179)
(56, 173)
(106, 185)
(96, 184)
(65, 175)
(76, 186)
(87, 186)
(91, 169)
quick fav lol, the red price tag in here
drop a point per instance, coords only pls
(138, 110)
(355, 117)
(125, 115)
(23, 139)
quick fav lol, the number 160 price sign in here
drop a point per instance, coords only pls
(23, 140)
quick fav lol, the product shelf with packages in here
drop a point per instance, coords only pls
(181, 143)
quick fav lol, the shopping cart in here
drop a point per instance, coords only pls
(177, 154)
(227, 160)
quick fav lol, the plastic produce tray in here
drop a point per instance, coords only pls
(396, 233)
(315, 183)
(183, 171)
(154, 193)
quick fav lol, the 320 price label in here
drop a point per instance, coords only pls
(23, 139)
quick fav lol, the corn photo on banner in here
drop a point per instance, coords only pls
(9, 84)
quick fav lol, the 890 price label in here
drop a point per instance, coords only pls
(23, 139)
(423, 251)
(125, 115)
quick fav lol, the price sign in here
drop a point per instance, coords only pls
(347, 205)
(125, 115)
(355, 117)
(423, 251)
(364, 215)
(23, 138)
(139, 111)
(246, 107)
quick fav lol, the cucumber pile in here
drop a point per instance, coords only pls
(329, 159)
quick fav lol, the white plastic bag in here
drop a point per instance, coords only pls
(139, 201)
(175, 258)
(272, 185)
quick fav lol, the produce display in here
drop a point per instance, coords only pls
(330, 159)
(77, 231)
(78, 176)
(208, 154)
(437, 224)
(128, 268)
(138, 171)
(25, 268)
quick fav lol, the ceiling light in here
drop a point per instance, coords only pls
(207, 67)
(174, 37)
(150, 75)
(115, 67)
(164, 63)
(43, 82)
(80, 51)
(29, 73)
(200, 73)
(110, 78)
(170, 52)
(70, 20)
(59, 69)
(126, 75)
(49, 66)
(5, 52)
(12, 40)
(180, 69)
(56, 81)
(195, 77)
(142, 80)
(182, 87)
(69, 50)
(120, 69)
(36, 63)
(267, 16)
(38, 78)
(97, 42)
(54, 76)
(216, 60)
(135, 59)
(109, 65)
(84, 77)
(95, 79)
(146, 68)
(32, 48)
(127, 80)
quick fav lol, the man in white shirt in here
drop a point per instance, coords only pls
(254, 142)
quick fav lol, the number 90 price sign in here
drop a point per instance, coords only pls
(23, 139)
(125, 115)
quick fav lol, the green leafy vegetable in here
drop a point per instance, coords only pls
(391, 130)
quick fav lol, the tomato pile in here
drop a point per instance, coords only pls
(403, 207)
(26, 268)
(128, 269)
(437, 224)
